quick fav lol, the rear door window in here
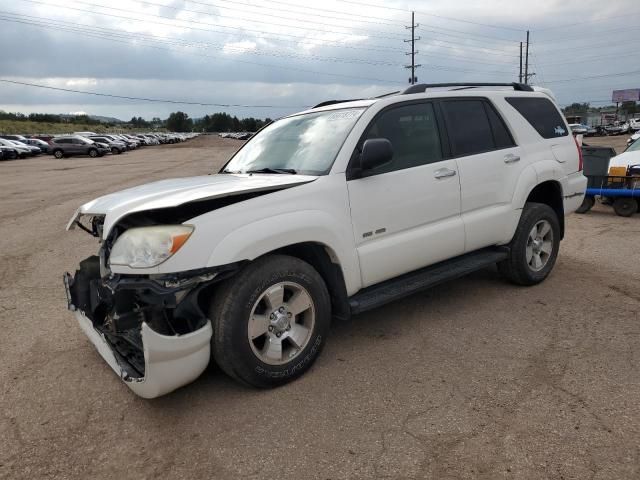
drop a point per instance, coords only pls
(542, 114)
(468, 127)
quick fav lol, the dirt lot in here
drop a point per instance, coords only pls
(473, 379)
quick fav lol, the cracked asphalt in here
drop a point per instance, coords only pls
(475, 379)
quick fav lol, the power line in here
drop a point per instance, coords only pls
(306, 9)
(154, 100)
(191, 27)
(436, 16)
(626, 15)
(99, 32)
(589, 35)
(484, 50)
(360, 17)
(281, 67)
(466, 35)
(103, 33)
(200, 12)
(583, 59)
(618, 74)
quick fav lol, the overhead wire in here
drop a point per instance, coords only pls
(153, 100)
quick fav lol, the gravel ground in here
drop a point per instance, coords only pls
(473, 379)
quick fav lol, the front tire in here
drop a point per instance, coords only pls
(534, 247)
(93, 153)
(271, 321)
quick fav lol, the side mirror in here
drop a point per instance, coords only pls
(375, 153)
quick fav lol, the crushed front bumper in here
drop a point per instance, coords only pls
(170, 361)
(151, 333)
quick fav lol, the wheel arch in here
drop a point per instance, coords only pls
(325, 261)
(550, 193)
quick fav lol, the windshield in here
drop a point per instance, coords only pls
(634, 147)
(306, 144)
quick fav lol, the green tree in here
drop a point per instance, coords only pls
(179, 122)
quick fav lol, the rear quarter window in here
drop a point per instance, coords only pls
(542, 114)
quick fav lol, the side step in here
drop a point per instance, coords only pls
(409, 283)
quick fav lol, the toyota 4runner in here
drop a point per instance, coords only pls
(321, 215)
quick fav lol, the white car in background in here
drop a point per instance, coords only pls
(634, 124)
(21, 151)
(631, 156)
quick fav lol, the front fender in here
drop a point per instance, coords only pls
(260, 237)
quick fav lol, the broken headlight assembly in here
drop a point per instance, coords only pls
(145, 247)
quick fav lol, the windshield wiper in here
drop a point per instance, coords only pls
(273, 170)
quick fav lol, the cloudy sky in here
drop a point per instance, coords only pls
(279, 56)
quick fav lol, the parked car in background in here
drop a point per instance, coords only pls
(113, 145)
(36, 142)
(67, 146)
(633, 138)
(21, 151)
(19, 138)
(34, 150)
(578, 128)
(44, 138)
(617, 128)
(634, 124)
(8, 153)
(136, 140)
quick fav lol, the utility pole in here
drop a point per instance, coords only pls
(413, 53)
(526, 62)
(520, 75)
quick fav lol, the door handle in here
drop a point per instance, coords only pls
(444, 173)
(511, 158)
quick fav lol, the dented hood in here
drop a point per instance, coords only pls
(178, 191)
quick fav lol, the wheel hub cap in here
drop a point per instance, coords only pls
(281, 323)
(539, 245)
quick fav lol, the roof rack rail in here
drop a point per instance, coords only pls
(333, 102)
(422, 87)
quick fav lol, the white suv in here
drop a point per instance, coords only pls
(323, 214)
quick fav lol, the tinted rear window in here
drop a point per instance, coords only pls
(541, 114)
(501, 135)
(468, 127)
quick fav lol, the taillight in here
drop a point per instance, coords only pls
(580, 160)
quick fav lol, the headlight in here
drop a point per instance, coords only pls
(146, 247)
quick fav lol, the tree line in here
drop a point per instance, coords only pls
(48, 118)
(216, 122)
(628, 108)
(177, 121)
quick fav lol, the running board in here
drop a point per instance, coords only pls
(409, 283)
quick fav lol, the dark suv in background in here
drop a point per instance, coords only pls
(76, 145)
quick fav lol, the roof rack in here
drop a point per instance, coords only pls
(333, 102)
(422, 87)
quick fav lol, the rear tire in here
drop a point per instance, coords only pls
(534, 247)
(271, 321)
(625, 207)
(587, 204)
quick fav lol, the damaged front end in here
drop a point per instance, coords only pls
(149, 328)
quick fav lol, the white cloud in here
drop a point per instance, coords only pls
(239, 47)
